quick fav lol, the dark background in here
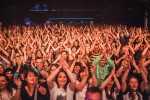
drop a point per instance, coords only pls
(103, 11)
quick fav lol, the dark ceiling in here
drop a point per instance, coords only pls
(106, 11)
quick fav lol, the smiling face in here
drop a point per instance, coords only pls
(76, 69)
(62, 79)
(3, 82)
(31, 78)
(39, 63)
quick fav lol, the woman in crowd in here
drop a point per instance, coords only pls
(31, 88)
(6, 92)
(63, 87)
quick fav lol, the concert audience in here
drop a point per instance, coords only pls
(74, 62)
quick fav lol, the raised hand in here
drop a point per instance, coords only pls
(42, 90)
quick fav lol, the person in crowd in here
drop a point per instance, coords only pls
(6, 92)
(54, 62)
(31, 88)
(133, 92)
(63, 87)
(93, 93)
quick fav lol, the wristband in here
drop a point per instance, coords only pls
(16, 75)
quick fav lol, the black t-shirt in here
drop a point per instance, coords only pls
(25, 95)
(44, 97)
(146, 95)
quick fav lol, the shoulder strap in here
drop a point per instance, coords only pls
(35, 93)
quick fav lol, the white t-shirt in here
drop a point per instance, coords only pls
(80, 95)
(127, 97)
(60, 93)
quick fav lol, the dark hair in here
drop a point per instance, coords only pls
(9, 70)
(93, 89)
(82, 69)
(65, 87)
(78, 64)
(135, 77)
(31, 70)
(9, 88)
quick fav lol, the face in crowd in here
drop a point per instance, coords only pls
(3, 82)
(133, 83)
(39, 63)
(76, 69)
(31, 78)
(93, 93)
(83, 74)
(62, 79)
(9, 74)
(64, 55)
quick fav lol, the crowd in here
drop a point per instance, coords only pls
(74, 62)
